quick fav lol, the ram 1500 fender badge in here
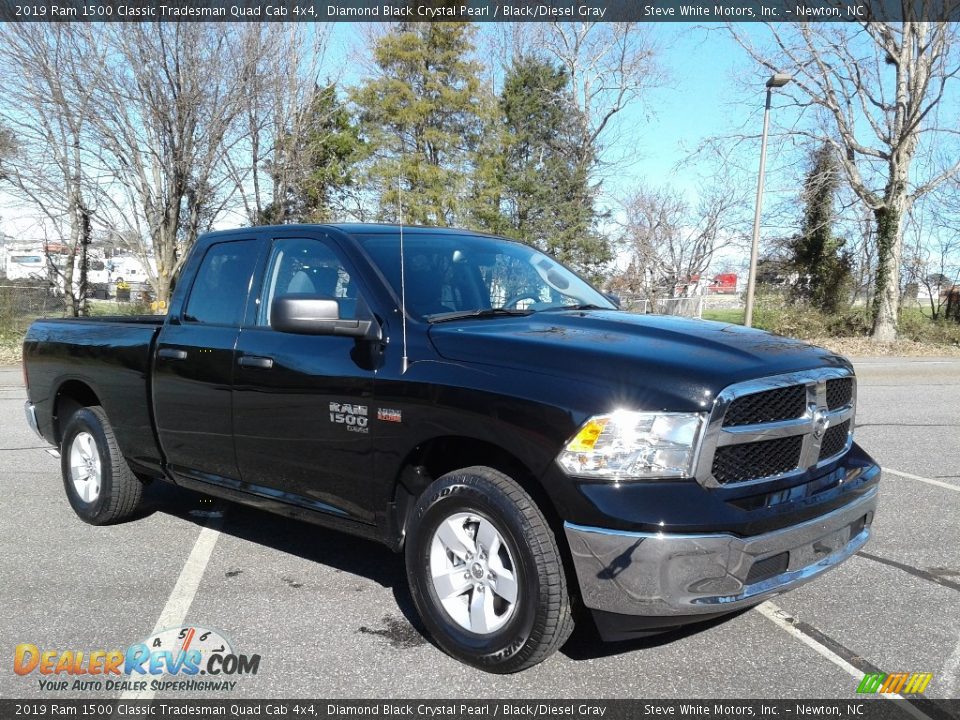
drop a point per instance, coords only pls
(354, 417)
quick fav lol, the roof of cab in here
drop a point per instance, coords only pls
(348, 228)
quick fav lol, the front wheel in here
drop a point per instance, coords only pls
(485, 572)
(100, 486)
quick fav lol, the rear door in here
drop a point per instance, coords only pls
(194, 366)
(302, 403)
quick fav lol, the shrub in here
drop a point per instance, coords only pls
(778, 315)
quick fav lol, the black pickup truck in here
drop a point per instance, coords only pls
(535, 452)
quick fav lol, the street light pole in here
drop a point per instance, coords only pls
(776, 81)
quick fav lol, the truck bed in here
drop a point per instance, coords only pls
(112, 357)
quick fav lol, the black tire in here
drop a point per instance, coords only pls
(541, 620)
(120, 490)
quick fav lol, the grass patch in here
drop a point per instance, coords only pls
(727, 315)
(102, 308)
(777, 315)
(10, 350)
(918, 327)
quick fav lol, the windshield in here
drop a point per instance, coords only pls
(452, 275)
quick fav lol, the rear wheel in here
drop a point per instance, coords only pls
(485, 572)
(100, 486)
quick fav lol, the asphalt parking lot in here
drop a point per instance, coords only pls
(331, 617)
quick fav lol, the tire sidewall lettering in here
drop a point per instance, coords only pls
(466, 496)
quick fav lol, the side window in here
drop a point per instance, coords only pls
(308, 267)
(219, 293)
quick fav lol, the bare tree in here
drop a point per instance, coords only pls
(610, 65)
(669, 242)
(287, 61)
(873, 92)
(863, 248)
(7, 144)
(51, 73)
(167, 115)
(932, 252)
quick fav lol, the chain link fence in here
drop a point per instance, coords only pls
(29, 302)
(691, 307)
(20, 304)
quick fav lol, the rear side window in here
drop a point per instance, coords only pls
(219, 293)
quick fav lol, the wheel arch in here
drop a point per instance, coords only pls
(71, 395)
(439, 455)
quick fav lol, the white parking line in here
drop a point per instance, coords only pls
(929, 481)
(181, 597)
(783, 620)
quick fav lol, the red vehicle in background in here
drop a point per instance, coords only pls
(723, 284)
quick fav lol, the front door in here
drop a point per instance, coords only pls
(302, 403)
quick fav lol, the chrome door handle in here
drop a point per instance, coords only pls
(171, 354)
(253, 361)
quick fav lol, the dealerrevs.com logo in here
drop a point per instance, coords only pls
(172, 659)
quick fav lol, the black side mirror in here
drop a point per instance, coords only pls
(315, 315)
(614, 298)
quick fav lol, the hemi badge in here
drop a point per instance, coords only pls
(388, 415)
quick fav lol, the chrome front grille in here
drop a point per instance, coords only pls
(767, 406)
(834, 440)
(777, 427)
(839, 392)
(766, 458)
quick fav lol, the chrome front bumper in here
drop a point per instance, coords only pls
(656, 574)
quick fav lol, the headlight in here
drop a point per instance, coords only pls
(627, 445)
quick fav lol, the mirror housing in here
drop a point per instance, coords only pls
(614, 298)
(315, 315)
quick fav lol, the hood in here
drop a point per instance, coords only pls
(653, 361)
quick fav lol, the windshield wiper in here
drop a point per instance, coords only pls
(582, 306)
(478, 313)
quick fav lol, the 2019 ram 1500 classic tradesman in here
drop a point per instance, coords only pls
(528, 446)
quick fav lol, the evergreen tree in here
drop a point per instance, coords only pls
(423, 116)
(548, 199)
(315, 162)
(487, 211)
(818, 256)
(334, 147)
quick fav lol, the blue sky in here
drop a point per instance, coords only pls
(659, 130)
(711, 89)
(693, 105)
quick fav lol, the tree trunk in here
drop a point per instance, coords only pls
(163, 289)
(166, 260)
(69, 299)
(82, 304)
(886, 294)
(71, 304)
(165, 247)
